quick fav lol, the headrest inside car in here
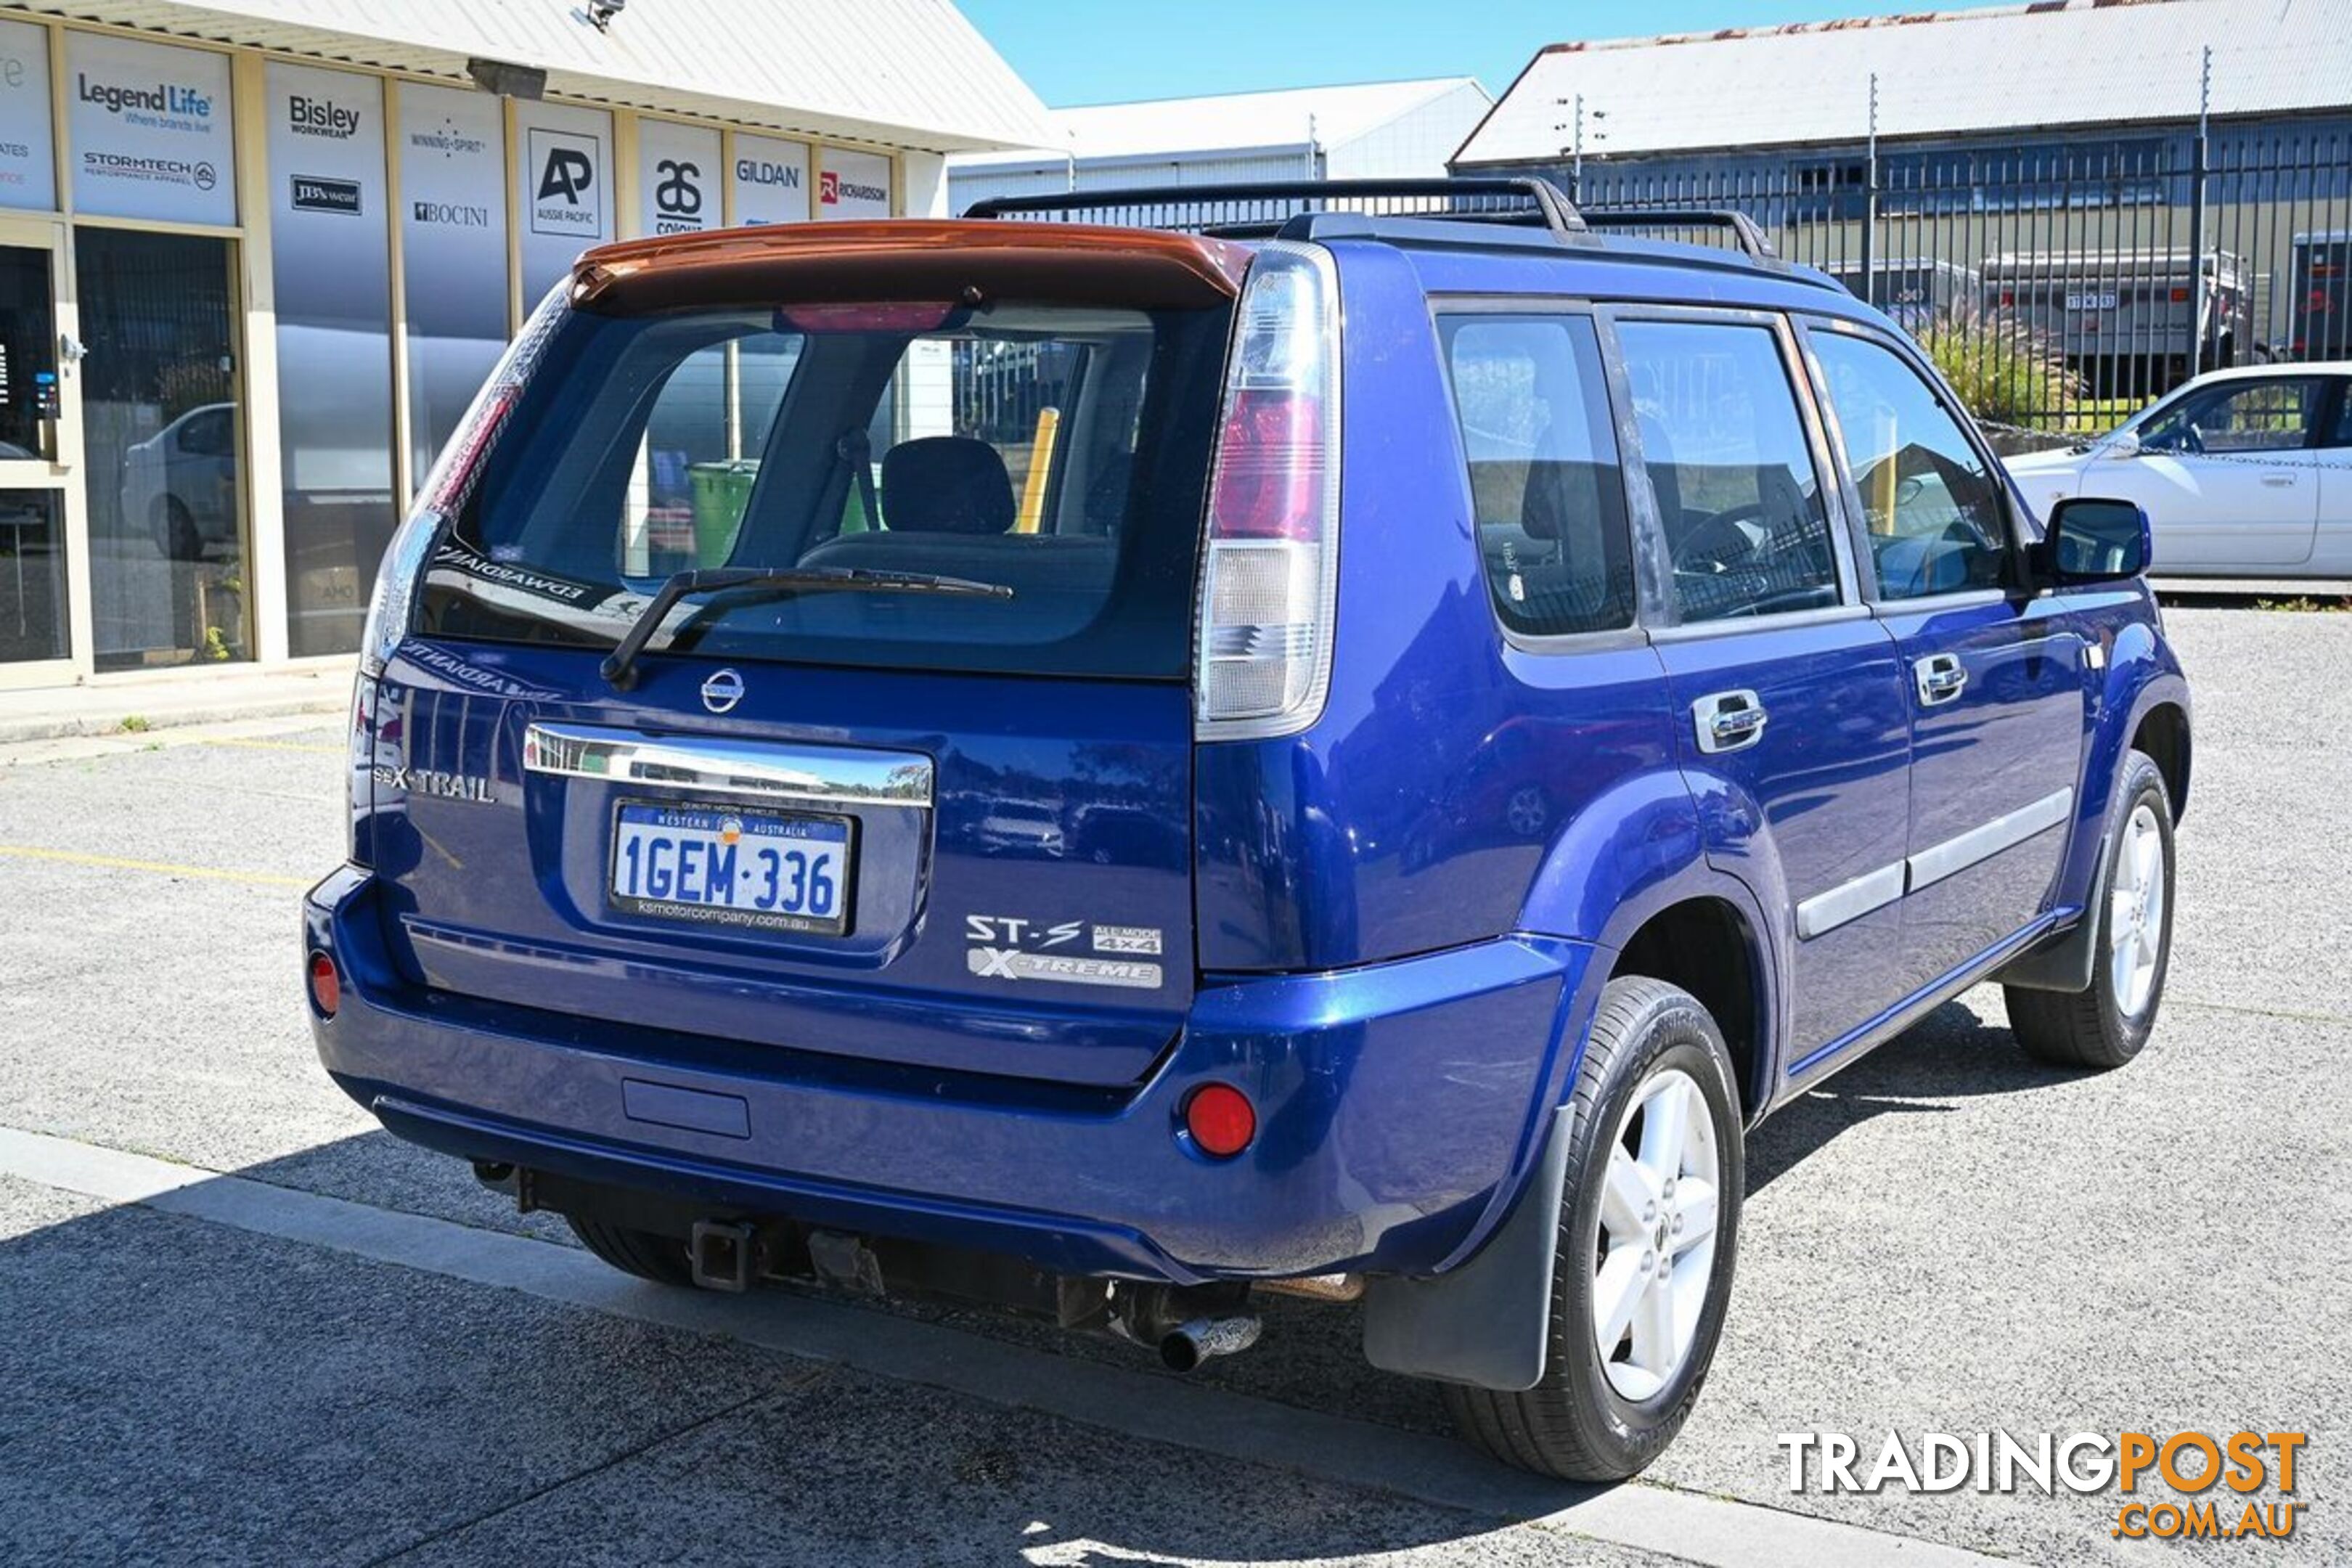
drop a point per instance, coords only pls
(946, 484)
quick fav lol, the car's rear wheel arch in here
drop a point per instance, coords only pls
(2163, 734)
(1708, 947)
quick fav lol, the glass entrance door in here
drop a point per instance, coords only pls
(39, 447)
(163, 411)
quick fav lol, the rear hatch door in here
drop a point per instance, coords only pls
(852, 803)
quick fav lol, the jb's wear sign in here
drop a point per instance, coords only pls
(149, 125)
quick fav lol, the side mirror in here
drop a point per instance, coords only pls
(2095, 541)
(2120, 444)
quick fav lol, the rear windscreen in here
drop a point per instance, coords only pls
(1057, 453)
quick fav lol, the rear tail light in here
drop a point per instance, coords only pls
(326, 984)
(1270, 574)
(2180, 296)
(1221, 1120)
(451, 480)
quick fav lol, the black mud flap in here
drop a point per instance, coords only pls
(1489, 1321)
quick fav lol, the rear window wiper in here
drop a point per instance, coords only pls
(776, 582)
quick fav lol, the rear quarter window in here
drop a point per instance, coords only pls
(1547, 495)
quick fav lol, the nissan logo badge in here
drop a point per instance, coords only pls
(722, 691)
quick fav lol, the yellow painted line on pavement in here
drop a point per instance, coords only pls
(266, 746)
(160, 867)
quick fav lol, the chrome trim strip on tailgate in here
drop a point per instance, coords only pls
(812, 776)
(1957, 854)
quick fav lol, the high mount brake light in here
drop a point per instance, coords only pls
(895, 317)
(1269, 574)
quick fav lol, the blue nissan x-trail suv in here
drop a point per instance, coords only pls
(1104, 771)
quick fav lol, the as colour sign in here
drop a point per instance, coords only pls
(149, 127)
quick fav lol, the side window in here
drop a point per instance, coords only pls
(1725, 449)
(1933, 512)
(2264, 415)
(2342, 435)
(1549, 501)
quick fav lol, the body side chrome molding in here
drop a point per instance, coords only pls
(1850, 900)
(1875, 890)
(783, 772)
(1938, 861)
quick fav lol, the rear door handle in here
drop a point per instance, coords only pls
(2279, 481)
(1728, 721)
(1941, 678)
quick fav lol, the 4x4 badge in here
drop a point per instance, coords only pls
(722, 691)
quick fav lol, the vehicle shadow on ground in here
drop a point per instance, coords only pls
(1949, 1055)
(214, 1383)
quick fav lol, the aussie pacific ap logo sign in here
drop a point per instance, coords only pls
(567, 190)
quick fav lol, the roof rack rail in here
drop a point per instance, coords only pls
(1743, 228)
(1541, 201)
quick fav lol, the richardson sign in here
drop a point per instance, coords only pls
(853, 184)
(149, 126)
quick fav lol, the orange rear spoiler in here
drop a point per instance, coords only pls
(911, 259)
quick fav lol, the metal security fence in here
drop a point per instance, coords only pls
(2066, 285)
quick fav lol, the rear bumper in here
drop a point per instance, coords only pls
(1400, 1106)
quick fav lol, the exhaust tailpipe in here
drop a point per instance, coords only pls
(1188, 1344)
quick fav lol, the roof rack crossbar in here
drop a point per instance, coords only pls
(1543, 201)
(1743, 228)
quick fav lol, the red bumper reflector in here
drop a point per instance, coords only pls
(1221, 1120)
(326, 985)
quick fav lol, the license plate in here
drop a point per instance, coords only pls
(2090, 301)
(759, 870)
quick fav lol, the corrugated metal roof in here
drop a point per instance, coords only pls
(902, 73)
(1237, 121)
(2094, 62)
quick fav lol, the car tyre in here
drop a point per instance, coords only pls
(1604, 1414)
(648, 1256)
(2107, 1026)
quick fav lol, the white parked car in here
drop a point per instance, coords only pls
(2244, 473)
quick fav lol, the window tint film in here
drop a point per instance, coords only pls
(1723, 444)
(1932, 510)
(2266, 415)
(1059, 452)
(1544, 480)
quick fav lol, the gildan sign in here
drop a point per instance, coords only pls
(29, 175)
(852, 184)
(148, 126)
(771, 183)
(566, 180)
(679, 170)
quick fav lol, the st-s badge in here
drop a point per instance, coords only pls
(1004, 947)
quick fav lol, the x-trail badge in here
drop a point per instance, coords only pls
(722, 691)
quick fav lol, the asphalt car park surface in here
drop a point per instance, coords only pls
(343, 1351)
